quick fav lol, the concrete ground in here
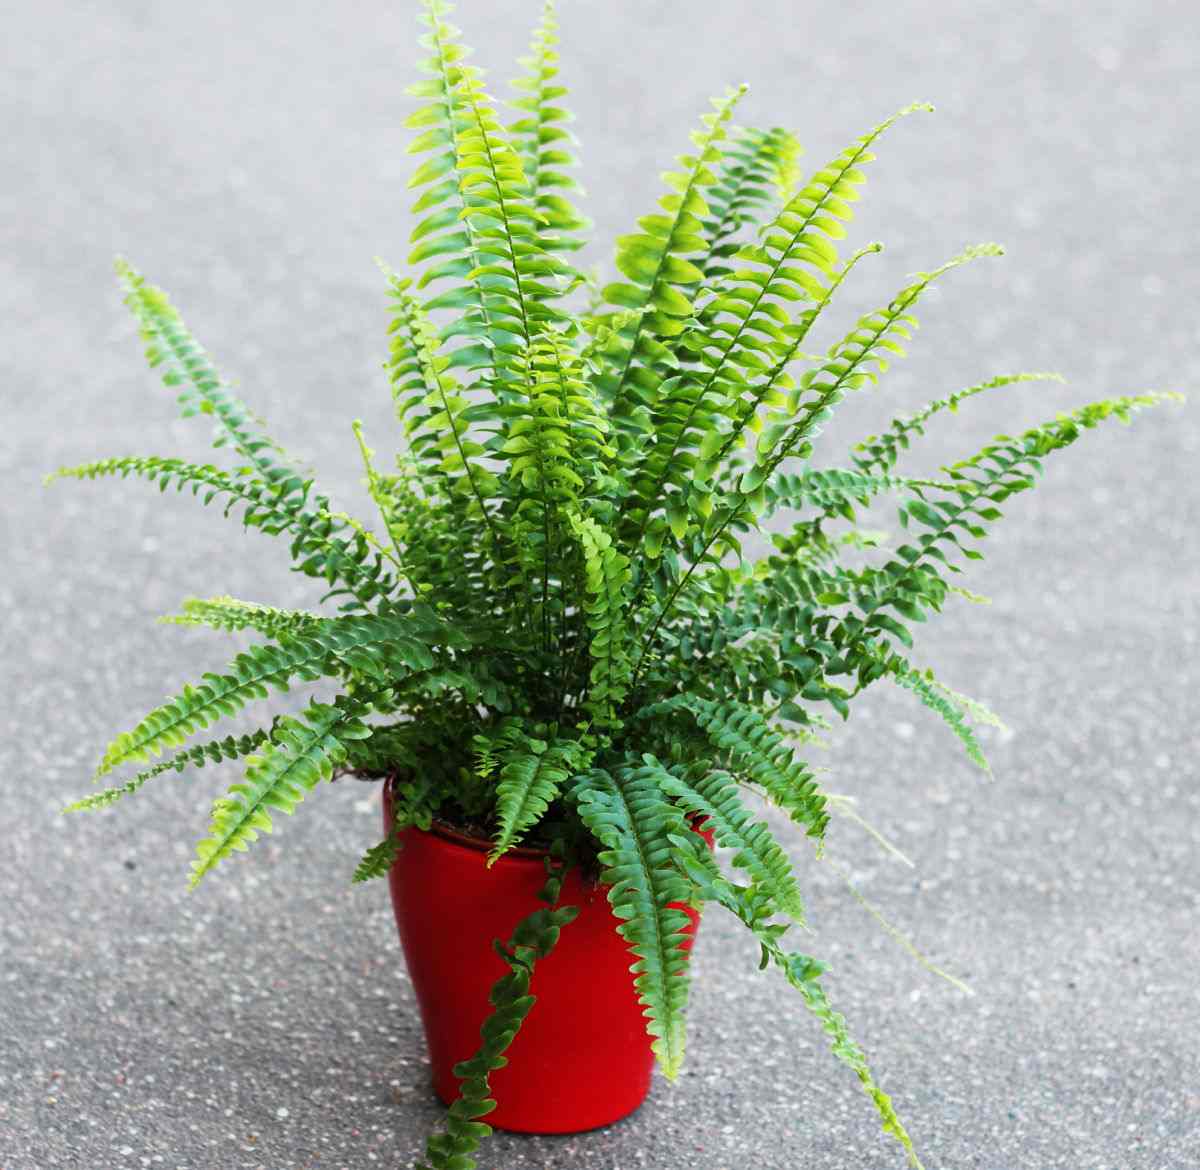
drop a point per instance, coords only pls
(250, 157)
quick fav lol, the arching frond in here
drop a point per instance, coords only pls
(627, 811)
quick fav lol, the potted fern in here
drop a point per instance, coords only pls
(553, 649)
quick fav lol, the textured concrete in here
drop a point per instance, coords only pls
(250, 157)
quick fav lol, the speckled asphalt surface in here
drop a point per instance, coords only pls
(250, 158)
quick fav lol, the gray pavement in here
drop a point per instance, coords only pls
(250, 158)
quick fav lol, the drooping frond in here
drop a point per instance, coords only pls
(232, 747)
(382, 647)
(921, 684)
(542, 140)
(712, 796)
(300, 753)
(318, 548)
(801, 971)
(533, 939)
(880, 452)
(377, 860)
(627, 812)
(755, 753)
(228, 613)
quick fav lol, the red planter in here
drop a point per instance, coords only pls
(582, 1058)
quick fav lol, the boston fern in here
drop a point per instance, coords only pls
(554, 634)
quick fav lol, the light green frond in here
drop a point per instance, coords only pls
(545, 145)
(228, 613)
(757, 168)
(608, 619)
(660, 279)
(186, 367)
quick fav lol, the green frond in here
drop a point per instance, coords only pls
(626, 811)
(300, 753)
(318, 548)
(921, 684)
(541, 139)
(802, 972)
(881, 452)
(379, 859)
(534, 937)
(834, 491)
(756, 169)
(230, 748)
(532, 773)
(910, 584)
(712, 796)
(187, 368)
(661, 279)
(851, 364)
(382, 647)
(608, 619)
(228, 613)
(756, 754)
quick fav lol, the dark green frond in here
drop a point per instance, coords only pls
(382, 647)
(713, 798)
(300, 753)
(626, 810)
(230, 748)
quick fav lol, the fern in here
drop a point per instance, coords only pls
(627, 813)
(653, 261)
(184, 364)
(534, 937)
(228, 613)
(230, 748)
(300, 753)
(318, 549)
(881, 452)
(611, 585)
(714, 799)
(748, 746)
(607, 618)
(531, 776)
(543, 142)
(381, 647)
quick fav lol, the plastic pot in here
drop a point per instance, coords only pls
(582, 1058)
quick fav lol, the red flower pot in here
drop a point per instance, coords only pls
(582, 1058)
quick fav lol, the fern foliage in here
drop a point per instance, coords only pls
(612, 590)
